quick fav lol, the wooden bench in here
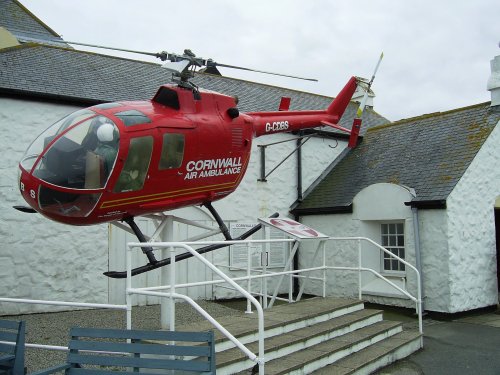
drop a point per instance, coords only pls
(106, 351)
(12, 353)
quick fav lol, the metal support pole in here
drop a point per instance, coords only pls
(249, 281)
(128, 295)
(172, 288)
(166, 235)
(359, 270)
(262, 163)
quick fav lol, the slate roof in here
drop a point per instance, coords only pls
(22, 23)
(68, 74)
(429, 153)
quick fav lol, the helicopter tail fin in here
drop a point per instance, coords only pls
(341, 101)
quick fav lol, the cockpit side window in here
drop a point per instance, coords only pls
(136, 166)
(172, 151)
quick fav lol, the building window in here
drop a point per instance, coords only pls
(393, 239)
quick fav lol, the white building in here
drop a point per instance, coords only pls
(428, 189)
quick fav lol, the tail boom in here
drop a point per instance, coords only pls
(287, 121)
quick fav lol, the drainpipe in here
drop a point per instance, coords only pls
(296, 285)
(418, 260)
(299, 168)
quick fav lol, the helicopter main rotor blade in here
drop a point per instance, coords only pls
(188, 55)
(264, 72)
(161, 55)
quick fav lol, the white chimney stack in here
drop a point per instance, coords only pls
(494, 81)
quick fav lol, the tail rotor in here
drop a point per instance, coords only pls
(356, 124)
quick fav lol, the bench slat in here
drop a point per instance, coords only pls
(8, 336)
(127, 361)
(141, 348)
(86, 371)
(6, 348)
(10, 324)
(143, 335)
(6, 358)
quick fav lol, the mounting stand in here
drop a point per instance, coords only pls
(164, 229)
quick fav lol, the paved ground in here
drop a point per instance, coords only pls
(469, 345)
(463, 346)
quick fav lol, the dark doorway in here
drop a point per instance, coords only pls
(497, 231)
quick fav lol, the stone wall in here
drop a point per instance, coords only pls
(471, 231)
(41, 259)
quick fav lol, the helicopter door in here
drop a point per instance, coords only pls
(136, 166)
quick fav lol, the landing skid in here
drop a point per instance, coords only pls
(148, 250)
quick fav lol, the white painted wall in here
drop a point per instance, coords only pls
(434, 252)
(41, 259)
(373, 205)
(471, 230)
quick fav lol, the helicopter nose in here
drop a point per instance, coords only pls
(29, 189)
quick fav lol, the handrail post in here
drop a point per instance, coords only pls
(359, 269)
(173, 266)
(249, 281)
(324, 268)
(128, 294)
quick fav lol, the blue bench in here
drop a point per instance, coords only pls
(12, 354)
(106, 351)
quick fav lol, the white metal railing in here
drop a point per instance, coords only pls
(169, 291)
(187, 246)
(61, 303)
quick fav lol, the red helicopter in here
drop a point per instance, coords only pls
(186, 146)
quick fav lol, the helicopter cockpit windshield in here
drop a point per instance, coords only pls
(77, 152)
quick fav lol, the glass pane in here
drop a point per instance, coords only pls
(172, 151)
(392, 241)
(401, 241)
(385, 240)
(43, 140)
(400, 228)
(136, 166)
(133, 117)
(387, 264)
(66, 204)
(384, 228)
(80, 159)
(392, 228)
(394, 264)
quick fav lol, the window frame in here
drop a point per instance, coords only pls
(394, 240)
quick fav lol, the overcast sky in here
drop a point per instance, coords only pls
(436, 53)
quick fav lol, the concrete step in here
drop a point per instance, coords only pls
(317, 335)
(278, 320)
(287, 343)
(315, 357)
(375, 357)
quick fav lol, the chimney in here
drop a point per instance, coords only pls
(494, 81)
